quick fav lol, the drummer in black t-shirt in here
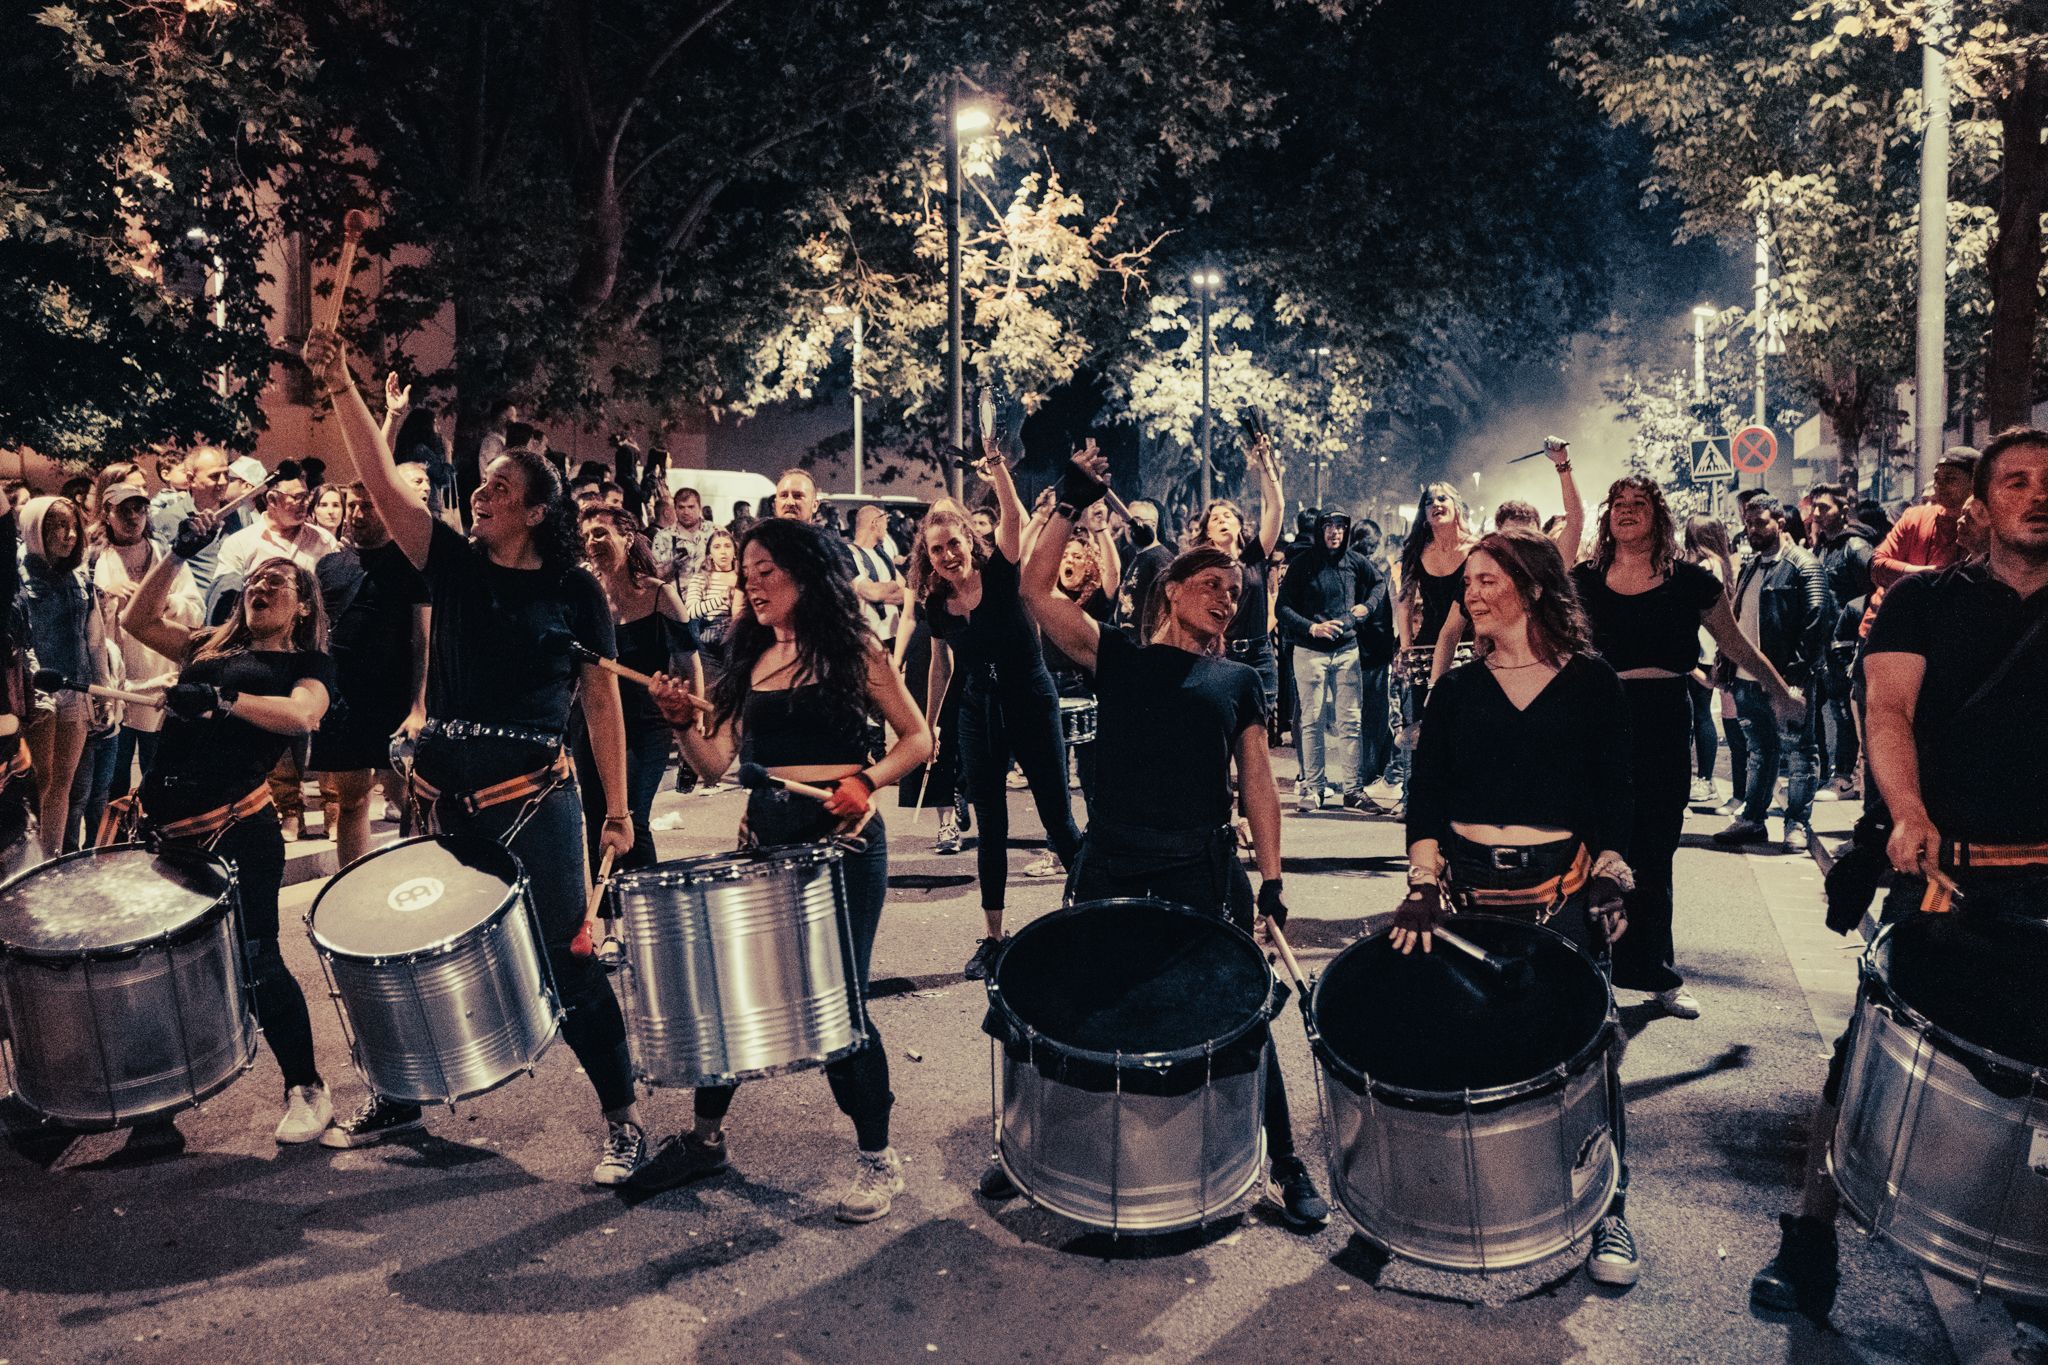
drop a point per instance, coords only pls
(1172, 718)
(492, 759)
(805, 683)
(246, 691)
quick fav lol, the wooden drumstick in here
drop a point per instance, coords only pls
(1286, 953)
(353, 225)
(585, 654)
(753, 775)
(583, 945)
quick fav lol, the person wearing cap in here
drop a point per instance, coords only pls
(1333, 608)
(1928, 536)
(207, 478)
(123, 555)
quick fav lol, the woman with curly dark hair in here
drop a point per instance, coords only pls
(1519, 802)
(1221, 526)
(1009, 707)
(804, 687)
(1647, 606)
(493, 758)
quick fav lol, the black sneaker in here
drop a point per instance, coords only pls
(996, 1185)
(1803, 1276)
(984, 960)
(377, 1120)
(679, 1160)
(625, 1151)
(1614, 1259)
(1299, 1202)
(1363, 804)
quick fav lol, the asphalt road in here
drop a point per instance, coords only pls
(483, 1240)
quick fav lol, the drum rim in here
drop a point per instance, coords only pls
(117, 951)
(737, 865)
(1138, 1061)
(518, 893)
(1591, 1051)
(1882, 995)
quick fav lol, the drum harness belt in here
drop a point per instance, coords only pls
(125, 816)
(1546, 898)
(532, 788)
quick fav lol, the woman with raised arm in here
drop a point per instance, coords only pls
(246, 692)
(1221, 526)
(507, 603)
(1172, 718)
(1008, 705)
(804, 689)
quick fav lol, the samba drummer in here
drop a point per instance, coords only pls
(1957, 670)
(1519, 802)
(247, 691)
(1172, 717)
(803, 686)
(492, 759)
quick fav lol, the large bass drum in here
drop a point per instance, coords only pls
(738, 965)
(1942, 1144)
(1468, 1121)
(436, 966)
(122, 984)
(1130, 1093)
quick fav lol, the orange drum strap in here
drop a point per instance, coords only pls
(210, 824)
(117, 822)
(1546, 897)
(498, 793)
(1960, 857)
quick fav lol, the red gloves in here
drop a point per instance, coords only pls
(851, 795)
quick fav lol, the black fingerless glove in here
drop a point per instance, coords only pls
(1605, 893)
(193, 701)
(1422, 909)
(190, 540)
(1079, 489)
(1270, 904)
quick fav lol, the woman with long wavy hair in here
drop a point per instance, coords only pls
(804, 693)
(1427, 609)
(509, 602)
(1647, 607)
(1009, 707)
(247, 691)
(1221, 526)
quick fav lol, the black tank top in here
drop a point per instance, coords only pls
(1439, 594)
(795, 725)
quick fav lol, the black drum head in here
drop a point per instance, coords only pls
(1981, 978)
(415, 895)
(1443, 1023)
(108, 900)
(1133, 976)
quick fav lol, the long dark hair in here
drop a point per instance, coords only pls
(833, 642)
(1421, 536)
(1185, 565)
(1663, 530)
(1532, 562)
(555, 539)
(639, 554)
(309, 635)
(417, 432)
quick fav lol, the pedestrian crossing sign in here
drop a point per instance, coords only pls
(1710, 460)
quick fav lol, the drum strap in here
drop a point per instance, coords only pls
(1546, 897)
(125, 814)
(17, 766)
(535, 783)
(1962, 857)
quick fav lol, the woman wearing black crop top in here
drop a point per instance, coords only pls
(804, 684)
(1008, 705)
(246, 691)
(1249, 640)
(1432, 586)
(653, 637)
(1646, 607)
(500, 684)
(1519, 802)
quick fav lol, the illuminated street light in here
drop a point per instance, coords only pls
(973, 119)
(1206, 282)
(1699, 350)
(969, 119)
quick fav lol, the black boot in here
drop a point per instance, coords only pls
(1803, 1276)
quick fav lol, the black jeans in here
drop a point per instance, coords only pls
(860, 1082)
(1660, 750)
(1193, 868)
(1000, 718)
(256, 847)
(550, 847)
(646, 766)
(1257, 655)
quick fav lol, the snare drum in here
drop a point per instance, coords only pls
(738, 966)
(1077, 719)
(1468, 1124)
(121, 978)
(1942, 1144)
(1131, 1091)
(435, 964)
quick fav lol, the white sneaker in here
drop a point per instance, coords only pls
(1016, 781)
(1046, 864)
(877, 1180)
(307, 1112)
(1677, 1002)
(1703, 792)
(949, 833)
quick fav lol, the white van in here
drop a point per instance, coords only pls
(719, 489)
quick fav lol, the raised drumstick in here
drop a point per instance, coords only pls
(353, 224)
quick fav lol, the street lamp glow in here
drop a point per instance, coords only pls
(1207, 281)
(973, 119)
(1705, 310)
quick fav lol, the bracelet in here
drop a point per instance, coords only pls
(1565, 468)
(618, 819)
(1065, 510)
(1422, 876)
(865, 781)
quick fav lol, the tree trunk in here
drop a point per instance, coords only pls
(2015, 260)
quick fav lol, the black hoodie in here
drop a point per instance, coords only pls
(1324, 585)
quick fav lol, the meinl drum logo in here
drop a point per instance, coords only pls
(416, 893)
(1591, 1160)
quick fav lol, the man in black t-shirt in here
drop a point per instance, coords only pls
(1957, 671)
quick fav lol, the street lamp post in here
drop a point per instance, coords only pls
(971, 119)
(1699, 351)
(1206, 283)
(859, 444)
(1317, 356)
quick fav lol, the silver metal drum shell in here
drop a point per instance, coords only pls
(739, 975)
(1077, 719)
(1474, 1189)
(110, 1042)
(1924, 1154)
(1130, 1162)
(456, 1020)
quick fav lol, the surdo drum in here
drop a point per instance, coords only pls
(1130, 1091)
(1942, 1144)
(1468, 1123)
(122, 984)
(738, 966)
(435, 964)
(1077, 719)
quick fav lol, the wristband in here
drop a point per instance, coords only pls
(1565, 468)
(865, 781)
(618, 819)
(1080, 491)
(1066, 511)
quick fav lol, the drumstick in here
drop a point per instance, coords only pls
(583, 944)
(585, 654)
(286, 469)
(353, 224)
(753, 776)
(50, 680)
(1286, 953)
(1515, 973)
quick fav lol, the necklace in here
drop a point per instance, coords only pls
(1509, 668)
